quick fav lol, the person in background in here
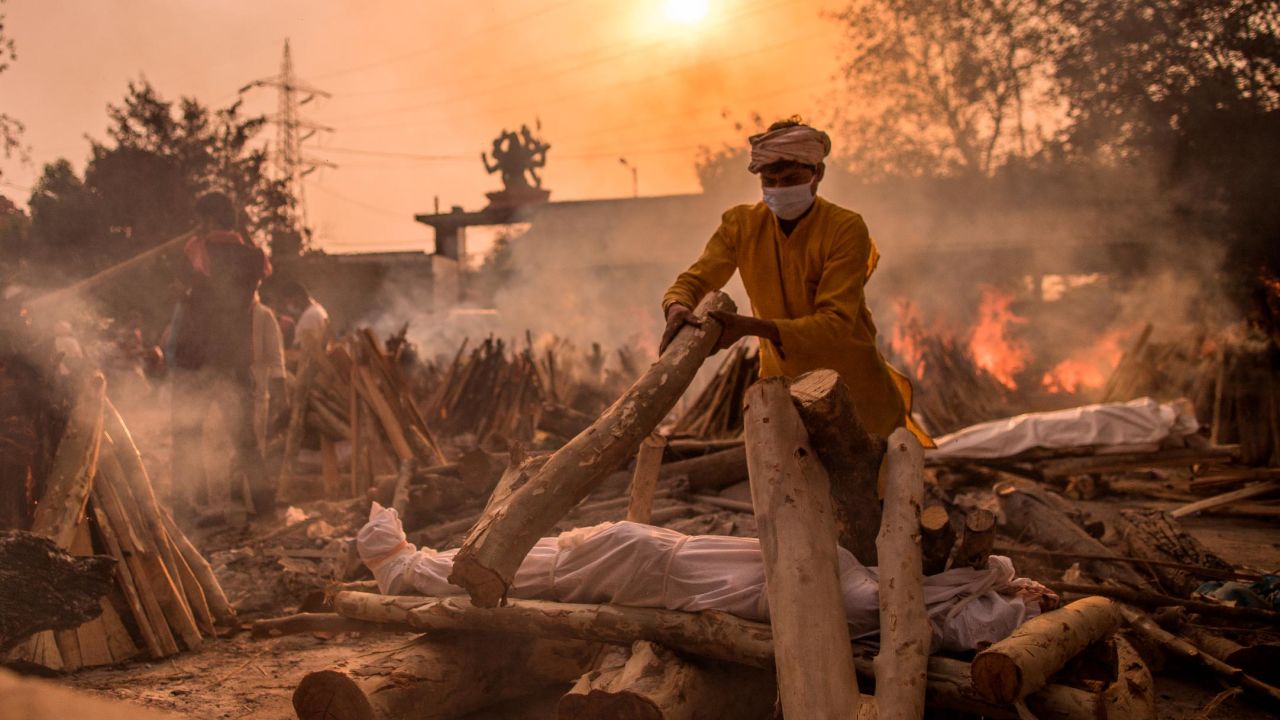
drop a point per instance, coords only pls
(312, 325)
(213, 351)
(268, 369)
(804, 261)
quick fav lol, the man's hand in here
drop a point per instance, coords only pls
(738, 326)
(678, 315)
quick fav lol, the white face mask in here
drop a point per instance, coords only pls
(789, 203)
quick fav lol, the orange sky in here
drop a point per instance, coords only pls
(607, 78)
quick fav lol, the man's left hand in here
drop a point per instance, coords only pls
(738, 326)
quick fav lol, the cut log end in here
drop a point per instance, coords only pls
(330, 695)
(997, 677)
(486, 587)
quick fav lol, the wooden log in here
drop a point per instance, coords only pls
(792, 500)
(102, 640)
(645, 479)
(29, 698)
(221, 608)
(655, 683)
(129, 586)
(1175, 457)
(905, 630)
(937, 538)
(1148, 630)
(317, 622)
(564, 421)
(74, 465)
(442, 677)
(44, 587)
(850, 454)
(306, 377)
(495, 547)
(979, 538)
(1032, 514)
(1132, 695)
(51, 300)
(385, 413)
(400, 497)
(1250, 491)
(1151, 599)
(714, 635)
(1157, 536)
(1022, 663)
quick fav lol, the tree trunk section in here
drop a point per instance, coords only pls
(441, 677)
(937, 538)
(979, 538)
(905, 630)
(850, 454)
(43, 587)
(1022, 663)
(645, 478)
(655, 683)
(499, 541)
(792, 499)
(1155, 535)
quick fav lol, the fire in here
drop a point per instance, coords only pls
(1086, 369)
(904, 341)
(990, 343)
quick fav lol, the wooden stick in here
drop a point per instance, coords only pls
(128, 584)
(937, 538)
(1244, 493)
(400, 497)
(385, 413)
(1076, 557)
(979, 538)
(905, 630)
(645, 479)
(495, 547)
(1151, 599)
(792, 499)
(1022, 663)
(1176, 646)
(331, 623)
(51, 299)
(214, 596)
(74, 465)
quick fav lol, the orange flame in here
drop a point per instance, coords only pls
(989, 342)
(904, 341)
(1089, 368)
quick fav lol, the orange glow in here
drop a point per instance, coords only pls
(905, 339)
(1087, 369)
(990, 343)
(685, 12)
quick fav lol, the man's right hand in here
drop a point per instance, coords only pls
(678, 315)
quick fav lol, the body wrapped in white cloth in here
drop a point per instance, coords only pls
(627, 563)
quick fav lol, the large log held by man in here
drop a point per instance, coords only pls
(499, 541)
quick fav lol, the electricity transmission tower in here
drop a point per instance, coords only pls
(291, 131)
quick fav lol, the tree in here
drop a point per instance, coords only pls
(10, 129)
(943, 86)
(140, 184)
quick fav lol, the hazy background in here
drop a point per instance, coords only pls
(421, 88)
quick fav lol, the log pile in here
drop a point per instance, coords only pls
(716, 411)
(949, 390)
(98, 500)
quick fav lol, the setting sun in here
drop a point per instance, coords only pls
(687, 12)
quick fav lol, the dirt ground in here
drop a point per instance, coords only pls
(240, 677)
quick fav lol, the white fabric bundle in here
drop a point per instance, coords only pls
(1141, 424)
(627, 563)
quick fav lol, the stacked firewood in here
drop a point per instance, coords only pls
(716, 412)
(489, 394)
(98, 499)
(1232, 387)
(949, 390)
(354, 392)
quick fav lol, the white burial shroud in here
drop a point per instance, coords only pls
(627, 563)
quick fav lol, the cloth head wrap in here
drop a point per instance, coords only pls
(797, 143)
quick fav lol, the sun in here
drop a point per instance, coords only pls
(685, 12)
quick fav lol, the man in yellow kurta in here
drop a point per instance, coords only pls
(804, 262)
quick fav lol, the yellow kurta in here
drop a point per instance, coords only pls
(811, 284)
